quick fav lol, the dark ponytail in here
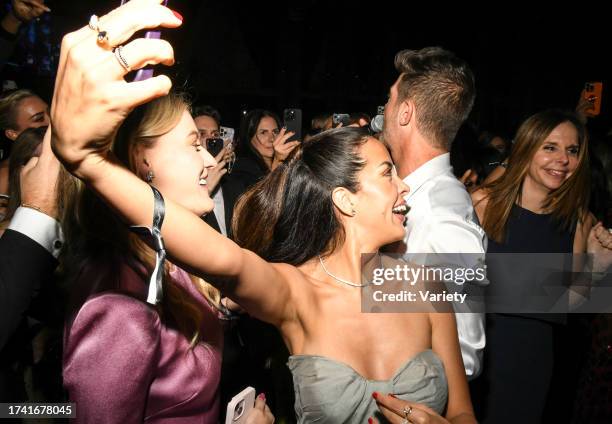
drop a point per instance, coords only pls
(289, 216)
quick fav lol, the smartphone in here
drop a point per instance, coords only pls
(592, 93)
(227, 134)
(214, 145)
(240, 405)
(147, 71)
(292, 120)
(377, 123)
(341, 118)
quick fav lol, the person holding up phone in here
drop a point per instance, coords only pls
(222, 188)
(285, 270)
(262, 146)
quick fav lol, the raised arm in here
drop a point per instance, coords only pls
(90, 102)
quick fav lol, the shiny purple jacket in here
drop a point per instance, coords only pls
(123, 365)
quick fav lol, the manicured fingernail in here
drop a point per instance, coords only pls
(375, 395)
(178, 15)
(262, 396)
(370, 420)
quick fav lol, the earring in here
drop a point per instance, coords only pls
(150, 176)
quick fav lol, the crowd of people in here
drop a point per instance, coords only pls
(153, 266)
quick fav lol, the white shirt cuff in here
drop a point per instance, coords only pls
(41, 228)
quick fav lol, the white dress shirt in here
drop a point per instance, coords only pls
(40, 227)
(442, 220)
(219, 209)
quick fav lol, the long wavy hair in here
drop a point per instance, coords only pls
(289, 216)
(568, 204)
(99, 243)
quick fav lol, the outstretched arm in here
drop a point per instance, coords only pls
(90, 102)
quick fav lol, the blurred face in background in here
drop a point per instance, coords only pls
(32, 112)
(207, 127)
(263, 140)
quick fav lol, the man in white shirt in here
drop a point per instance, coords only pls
(427, 104)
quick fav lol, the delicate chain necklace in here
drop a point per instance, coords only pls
(348, 283)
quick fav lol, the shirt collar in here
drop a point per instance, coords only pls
(430, 169)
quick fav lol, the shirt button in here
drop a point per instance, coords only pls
(57, 244)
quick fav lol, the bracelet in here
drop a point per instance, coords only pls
(152, 236)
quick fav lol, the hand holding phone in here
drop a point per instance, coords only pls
(147, 72)
(292, 120)
(592, 93)
(341, 118)
(240, 405)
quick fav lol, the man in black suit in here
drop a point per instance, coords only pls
(30, 246)
(223, 189)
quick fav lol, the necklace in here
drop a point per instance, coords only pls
(348, 283)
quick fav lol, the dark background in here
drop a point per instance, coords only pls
(338, 56)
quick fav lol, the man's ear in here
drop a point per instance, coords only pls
(344, 201)
(11, 134)
(406, 112)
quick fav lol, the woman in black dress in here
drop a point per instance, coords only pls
(539, 205)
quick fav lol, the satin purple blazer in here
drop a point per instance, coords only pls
(121, 364)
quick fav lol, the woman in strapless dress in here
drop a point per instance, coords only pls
(300, 234)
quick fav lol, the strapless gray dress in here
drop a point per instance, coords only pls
(329, 391)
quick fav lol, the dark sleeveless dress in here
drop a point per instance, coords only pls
(518, 363)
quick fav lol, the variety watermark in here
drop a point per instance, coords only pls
(517, 283)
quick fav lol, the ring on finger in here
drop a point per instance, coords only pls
(405, 421)
(407, 411)
(102, 36)
(121, 59)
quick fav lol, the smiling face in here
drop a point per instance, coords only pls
(381, 190)
(180, 166)
(556, 158)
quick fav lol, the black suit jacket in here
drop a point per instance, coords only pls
(24, 265)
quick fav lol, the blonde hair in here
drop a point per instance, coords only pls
(92, 227)
(568, 204)
(8, 107)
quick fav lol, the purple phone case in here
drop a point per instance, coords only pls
(143, 74)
